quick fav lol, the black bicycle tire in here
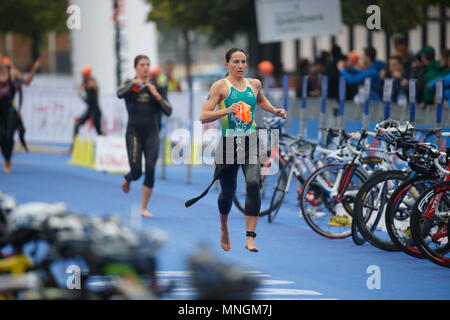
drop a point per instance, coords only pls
(282, 171)
(416, 230)
(357, 238)
(394, 201)
(302, 202)
(275, 207)
(373, 181)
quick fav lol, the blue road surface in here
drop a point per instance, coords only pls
(293, 262)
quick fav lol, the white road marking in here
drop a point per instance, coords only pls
(184, 286)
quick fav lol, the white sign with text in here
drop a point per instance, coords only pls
(279, 20)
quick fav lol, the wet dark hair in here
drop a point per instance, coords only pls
(139, 58)
(234, 50)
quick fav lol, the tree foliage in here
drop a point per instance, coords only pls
(33, 18)
(394, 18)
(224, 19)
(221, 20)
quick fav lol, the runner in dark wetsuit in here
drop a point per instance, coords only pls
(145, 102)
(9, 117)
(237, 98)
(10, 120)
(89, 86)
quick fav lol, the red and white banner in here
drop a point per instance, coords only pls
(111, 155)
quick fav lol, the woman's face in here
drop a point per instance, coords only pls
(143, 68)
(237, 66)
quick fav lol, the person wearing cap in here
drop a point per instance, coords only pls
(11, 80)
(266, 69)
(444, 75)
(432, 70)
(18, 78)
(88, 91)
(10, 119)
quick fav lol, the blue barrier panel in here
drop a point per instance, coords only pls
(285, 92)
(304, 100)
(439, 96)
(412, 100)
(341, 109)
(323, 108)
(367, 83)
(387, 96)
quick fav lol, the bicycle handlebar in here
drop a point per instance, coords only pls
(438, 165)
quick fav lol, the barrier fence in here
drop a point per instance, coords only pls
(51, 108)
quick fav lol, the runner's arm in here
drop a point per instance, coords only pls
(30, 76)
(264, 103)
(124, 89)
(208, 114)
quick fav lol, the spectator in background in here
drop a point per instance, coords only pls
(158, 78)
(333, 72)
(303, 69)
(401, 50)
(173, 84)
(371, 69)
(318, 69)
(397, 72)
(418, 72)
(353, 60)
(353, 65)
(444, 67)
(444, 75)
(266, 69)
(431, 72)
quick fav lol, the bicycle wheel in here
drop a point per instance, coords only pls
(328, 216)
(429, 223)
(398, 212)
(277, 197)
(370, 206)
(268, 185)
(357, 237)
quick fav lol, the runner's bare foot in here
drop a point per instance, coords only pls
(125, 186)
(250, 245)
(146, 213)
(225, 240)
(7, 167)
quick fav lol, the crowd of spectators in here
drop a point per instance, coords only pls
(355, 67)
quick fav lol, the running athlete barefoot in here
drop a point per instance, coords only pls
(232, 94)
(11, 81)
(145, 102)
(88, 91)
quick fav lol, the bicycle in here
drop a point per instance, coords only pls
(401, 202)
(331, 189)
(372, 200)
(300, 160)
(430, 217)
